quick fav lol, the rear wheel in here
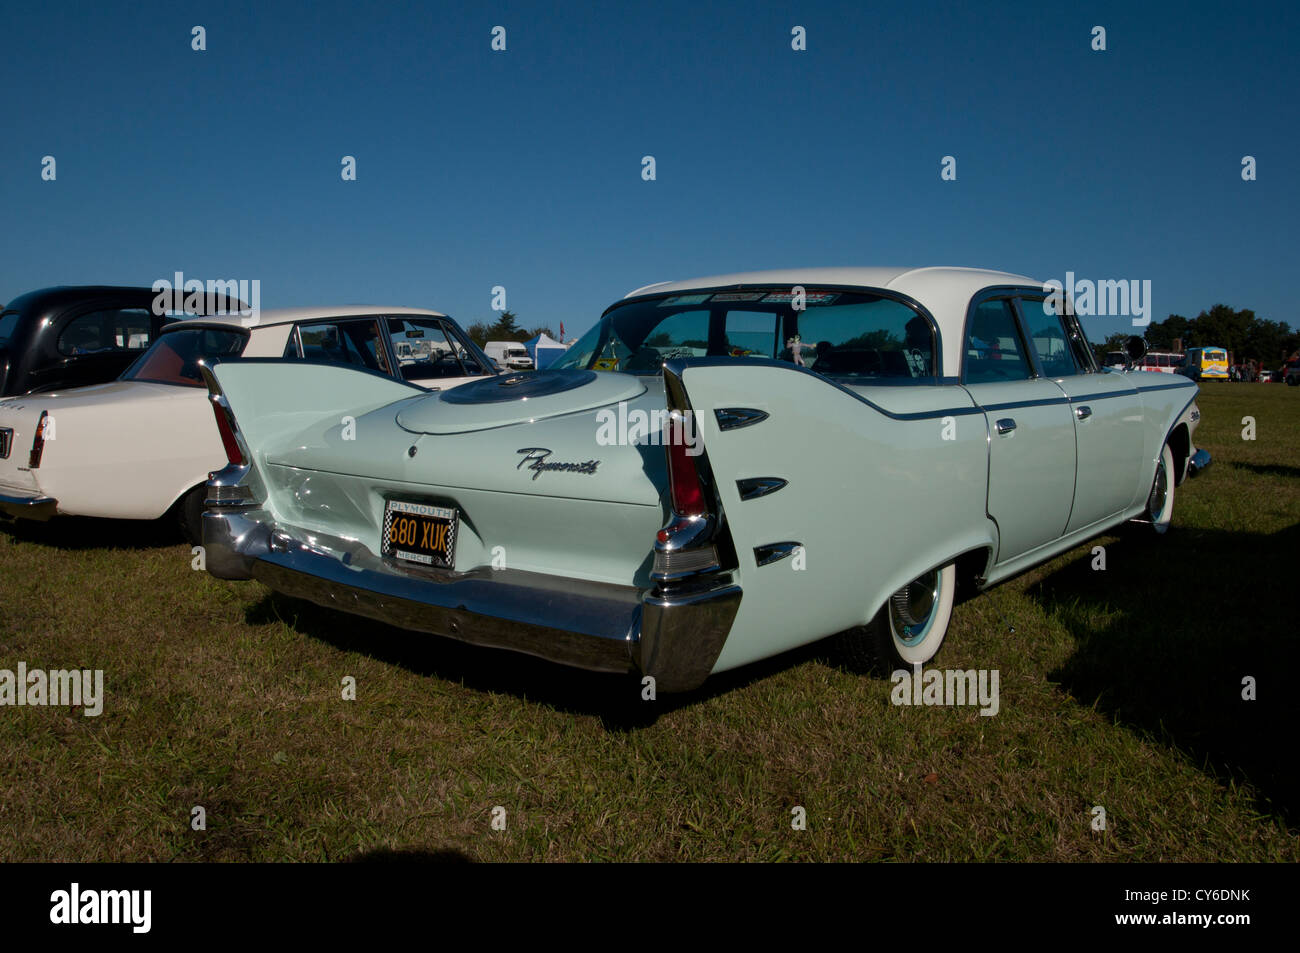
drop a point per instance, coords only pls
(189, 513)
(908, 630)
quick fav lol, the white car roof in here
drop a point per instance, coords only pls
(289, 315)
(945, 291)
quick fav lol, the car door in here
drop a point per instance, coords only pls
(1030, 427)
(1106, 408)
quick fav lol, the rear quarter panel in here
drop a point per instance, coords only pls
(876, 495)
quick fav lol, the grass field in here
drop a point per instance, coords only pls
(1119, 688)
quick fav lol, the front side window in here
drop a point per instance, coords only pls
(1055, 356)
(175, 356)
(115, 329)
(855, 337)
(994, 352)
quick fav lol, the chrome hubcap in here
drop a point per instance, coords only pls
(911, 609)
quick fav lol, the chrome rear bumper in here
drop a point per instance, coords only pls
(675, 636)
(28, 507)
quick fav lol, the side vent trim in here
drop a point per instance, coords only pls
(754, 487)
(774, 552)
(733, 418)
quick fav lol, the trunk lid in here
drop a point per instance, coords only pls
(556, 434)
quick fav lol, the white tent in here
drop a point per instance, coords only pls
(544, 350)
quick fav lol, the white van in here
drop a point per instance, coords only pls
(510, 355)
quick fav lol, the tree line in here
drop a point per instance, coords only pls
(1243, 333)
(505, 328)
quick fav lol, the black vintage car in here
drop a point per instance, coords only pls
(75, 335)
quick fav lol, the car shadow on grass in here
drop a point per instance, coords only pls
(89, 532)
(1265, 469)
(1188, 618)
(615, 699)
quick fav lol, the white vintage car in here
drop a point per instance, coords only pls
(142, 446)
(720, 470)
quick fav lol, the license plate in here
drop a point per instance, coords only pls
(420, 533)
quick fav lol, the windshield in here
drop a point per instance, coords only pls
(860, 337)
(175, 356)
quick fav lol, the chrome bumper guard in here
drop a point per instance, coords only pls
(28, 507)
(1199, 461)
(675, 636)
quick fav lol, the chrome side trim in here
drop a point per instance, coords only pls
(28, 507)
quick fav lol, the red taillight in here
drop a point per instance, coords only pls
(227, 430)
(683, 475)
(38, 444)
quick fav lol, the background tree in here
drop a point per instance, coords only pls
(1241, 332)
(507, 328)
(478, 332)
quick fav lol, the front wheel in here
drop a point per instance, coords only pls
(1160, 502)
(908, 630)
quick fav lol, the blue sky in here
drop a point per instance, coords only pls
(523, 168)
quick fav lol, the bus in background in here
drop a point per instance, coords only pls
(1166, 362)
(1206, 364)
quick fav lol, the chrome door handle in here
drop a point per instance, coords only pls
(1083, 413)
(1005, 426)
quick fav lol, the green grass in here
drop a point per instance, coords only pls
(1118, 688)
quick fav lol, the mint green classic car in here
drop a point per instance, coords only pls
(720, 470)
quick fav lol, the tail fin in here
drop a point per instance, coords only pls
(275, 399)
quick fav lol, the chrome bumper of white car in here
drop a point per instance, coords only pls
(674, 635)
(28, 507)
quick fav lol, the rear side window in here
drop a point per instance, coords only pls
(342, 342)
(8, 324)
(994, 351)
(855, 337)
(864, 340)
(116, 329)
(174, 357)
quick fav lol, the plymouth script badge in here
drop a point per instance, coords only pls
(538, 460)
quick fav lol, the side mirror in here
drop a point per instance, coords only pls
(1136, 349)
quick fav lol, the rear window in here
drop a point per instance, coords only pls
(851, 336)
(175, 356)
(115, 329)
(8, 324)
